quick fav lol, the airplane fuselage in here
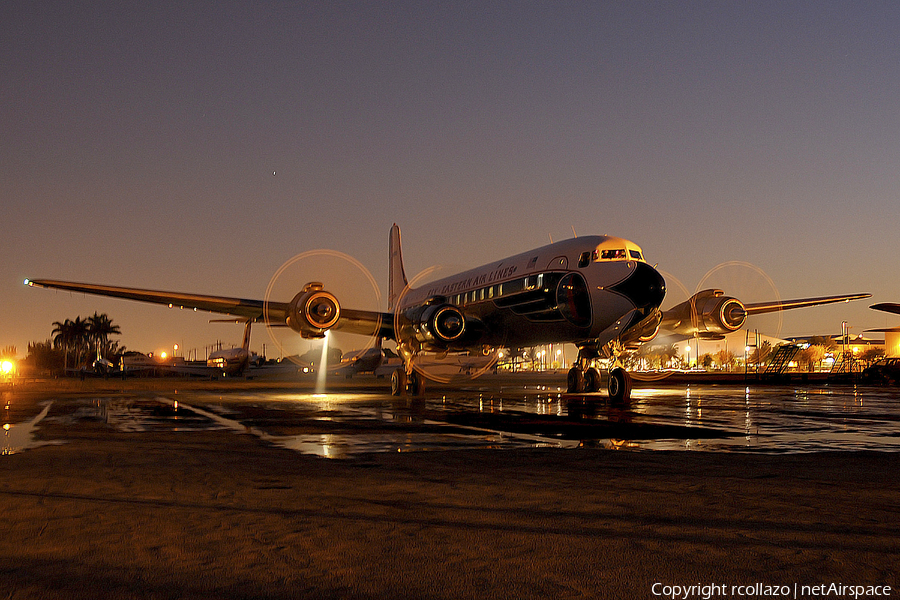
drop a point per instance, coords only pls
(587, 288)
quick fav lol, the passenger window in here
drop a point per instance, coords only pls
(584, 260)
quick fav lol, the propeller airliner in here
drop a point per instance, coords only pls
(596, 292)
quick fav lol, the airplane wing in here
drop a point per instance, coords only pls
(759, 308)
(712, 314)
(887, 307)
(274, 313)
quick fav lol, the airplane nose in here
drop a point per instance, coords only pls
(645, 287)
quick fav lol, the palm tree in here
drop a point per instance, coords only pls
(71, 335)
(81, 338)
(62, 338)
(99, 328)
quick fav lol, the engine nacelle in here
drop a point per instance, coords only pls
(708, 313)
(437, 325)
(643, 331)
(313, 311)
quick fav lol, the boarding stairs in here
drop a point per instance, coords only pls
(845, 364)
(779, 362)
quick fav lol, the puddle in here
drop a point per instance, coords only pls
(20, 436)
(706, 418)
(331, 445)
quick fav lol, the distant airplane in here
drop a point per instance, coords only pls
(363, 361)
(892, 340)
(233, 361)
(596, 292)
(890, 307)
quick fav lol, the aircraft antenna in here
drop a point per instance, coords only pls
(573, 231)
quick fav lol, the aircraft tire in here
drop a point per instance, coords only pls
(592, 380)
(416, 384)
(619, 385)
(399, 382)
(575, 381)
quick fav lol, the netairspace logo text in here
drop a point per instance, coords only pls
(761, 590)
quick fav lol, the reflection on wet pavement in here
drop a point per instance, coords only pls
(20, 436)
(717, 418)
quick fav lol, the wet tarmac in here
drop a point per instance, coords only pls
(361, 418)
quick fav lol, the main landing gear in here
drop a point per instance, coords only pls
(403, 383)
(584, 379)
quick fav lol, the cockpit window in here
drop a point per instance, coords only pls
(635, 255)
(618, 253)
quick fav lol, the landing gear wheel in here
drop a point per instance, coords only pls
(619, 385)
(592, 380)
(575, 381)
(416, 385)
(398, 382)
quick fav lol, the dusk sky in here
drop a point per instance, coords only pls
(198, 146)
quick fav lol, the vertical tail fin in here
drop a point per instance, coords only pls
(396, 277)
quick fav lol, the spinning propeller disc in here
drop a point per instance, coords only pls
(444, 367)
(748, 283)
(342, 275)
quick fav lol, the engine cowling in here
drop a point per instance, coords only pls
(313, 311)
(709, 314)
(644, 331)
(437, 325)
(721, 315)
